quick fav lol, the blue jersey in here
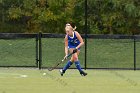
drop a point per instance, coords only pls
(73, 42)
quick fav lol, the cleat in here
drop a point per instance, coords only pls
(61, 72)
(83, 73)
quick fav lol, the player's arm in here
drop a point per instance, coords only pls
(80, 39)
(66, 45)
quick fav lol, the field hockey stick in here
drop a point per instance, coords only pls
(52, 68)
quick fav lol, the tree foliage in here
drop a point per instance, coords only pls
(50, 16)
(114, 16)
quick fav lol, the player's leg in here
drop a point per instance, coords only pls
(77, 63)
(69, 63)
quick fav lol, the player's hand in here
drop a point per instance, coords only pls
(66, 56)
(75, 50)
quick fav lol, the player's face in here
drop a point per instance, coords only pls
(69, 30)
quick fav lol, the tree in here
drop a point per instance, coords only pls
(114, 16)
(50, 16)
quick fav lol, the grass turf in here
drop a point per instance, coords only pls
(12, 80)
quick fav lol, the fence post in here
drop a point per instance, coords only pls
(85, 34)
(40, 50)
(37, 59)
(134, 53)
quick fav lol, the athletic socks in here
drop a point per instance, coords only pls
(69, 63)
(77, 64)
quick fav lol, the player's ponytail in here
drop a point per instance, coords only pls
(72, 25)
(74, 28)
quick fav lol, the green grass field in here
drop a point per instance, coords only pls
(21, 80)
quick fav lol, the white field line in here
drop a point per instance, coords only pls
(15, 75)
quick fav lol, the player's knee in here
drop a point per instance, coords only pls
(72, 59)
(75, 58)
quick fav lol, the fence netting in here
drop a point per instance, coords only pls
(137, 53)
(110, 53)
(103, 52)
(18, 52)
